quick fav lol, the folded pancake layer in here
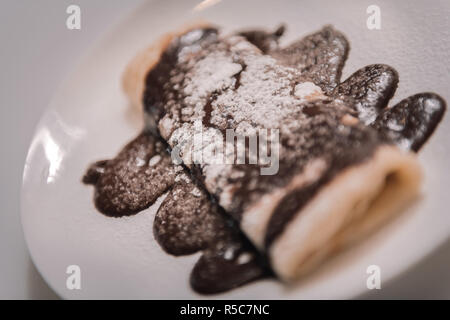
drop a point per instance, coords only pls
(334, 177)
(351, 205)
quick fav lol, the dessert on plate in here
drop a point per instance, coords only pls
(341, 161)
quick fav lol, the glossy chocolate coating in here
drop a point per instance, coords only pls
(411, 122)
(187, 220)
(131, 182)
(368, 90)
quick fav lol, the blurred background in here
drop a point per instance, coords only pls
(35, 42)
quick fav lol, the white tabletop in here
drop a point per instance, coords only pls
(37, 52)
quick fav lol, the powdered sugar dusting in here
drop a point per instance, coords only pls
(231, 84)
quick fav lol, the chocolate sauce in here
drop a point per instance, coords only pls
(320, 57)
(412, 121)
(368, 90)
(134, 179)
(208, 110)
(189, 219)
(265, 41)
(156, 98)
(185, 222)
(237, 84)
(228, 264)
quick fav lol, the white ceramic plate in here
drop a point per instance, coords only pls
(90, 119)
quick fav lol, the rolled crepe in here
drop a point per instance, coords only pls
(335, 178)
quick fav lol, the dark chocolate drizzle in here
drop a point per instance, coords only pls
(368, 90)
(131, 182)
(412, 121)
(189, 220)
(320, 57)
(208, 110)
(227, 265)
(156, 99)
(265, 41)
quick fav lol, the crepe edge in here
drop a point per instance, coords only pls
(354, 204)
(135, 73)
